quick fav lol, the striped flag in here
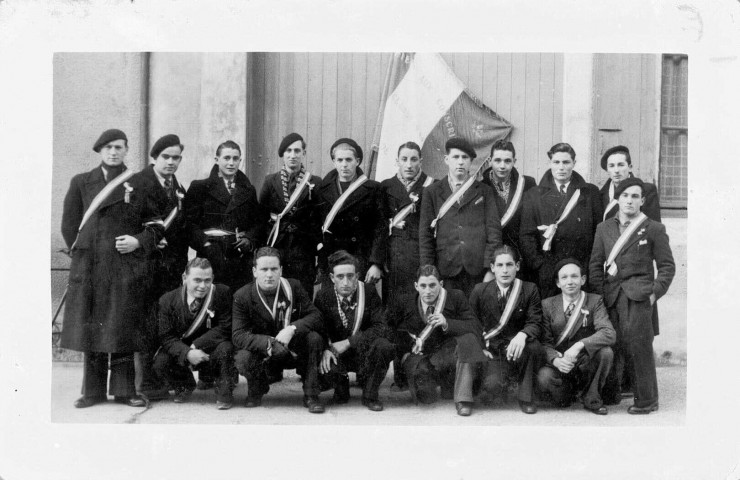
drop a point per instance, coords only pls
(425, 102)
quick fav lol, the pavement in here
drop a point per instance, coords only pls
(282, 406)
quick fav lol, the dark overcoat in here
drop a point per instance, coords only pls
(510, 232)
(651, 207)
(107, 298)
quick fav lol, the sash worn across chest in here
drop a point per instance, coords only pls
(514, 205)
(408, 209)
(451, 200)
(439, 306)
(341, 201)
(609, 266)
(613, 203)
(570, 327)
(204, 312)
(511, 303)
(284, 312)
(272, 238)
(549, 230)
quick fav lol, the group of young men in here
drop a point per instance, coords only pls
(489, 286)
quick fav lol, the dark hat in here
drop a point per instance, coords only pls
(564, 262)
(109, 136)
(289, 140)
(349, 142)
(627, 183)
(461, 144)
(167, 141)
(612, 151)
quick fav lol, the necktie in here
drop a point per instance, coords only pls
(347, 309)
(502, 300)
(168, 187)
(562, 190)
(230, 187)
(195, 306)
(569, 310)
(430, 312)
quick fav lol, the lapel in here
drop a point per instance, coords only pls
(185, 314)
(635, 237)
(94, 183)
(241, 193)
(264, 314)
(558, 316)
(474, 192)
(513, 180)
(217, 188)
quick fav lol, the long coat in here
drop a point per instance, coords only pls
(358, 228)
(402, 259)
(574, 236)
(107, 307)
(466, 236)
(175, 319)
(651, 207)
(510, 232)
(596, 334)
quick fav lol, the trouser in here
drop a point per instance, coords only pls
(371, 370)
(498, 373)
(180, 377)
(463, 281)
(260, 370)
(95, 375)
(587, 378)
(149, 383)
(633, 322)
(441, 367)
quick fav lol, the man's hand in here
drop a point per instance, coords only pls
(400, 225)
(326, 361)
(285, 335)
(572, 353)
(652, 299)
(373, 274)
(196, 356)
(126, 244)
(516, 347)
(416, 350)
(438, 320)
(341, 346)
(488, 276)
(563, 364)
(162, 244)
(488, 354)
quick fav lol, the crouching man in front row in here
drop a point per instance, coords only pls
(359, 339)
(195, 331)
(577, 340)
(438, 338)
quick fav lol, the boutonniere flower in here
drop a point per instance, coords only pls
(128, 189)
(310, 189)
(282, 306)
(641, 231)
(414, 199)
(585, 313)
(180, 196)
(211, 314)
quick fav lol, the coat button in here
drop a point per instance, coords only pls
(354, 239)
(357, 219)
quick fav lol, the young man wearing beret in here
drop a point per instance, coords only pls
(618, 164)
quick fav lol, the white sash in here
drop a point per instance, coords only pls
(218, 232)
(508, 310)
(439, 306)
(609, 265)
(360, 309)
(572, 321)
(451, 200)
(549, 230)
(272, 238)
(428, 182)
(403, 213)
(204, 310)
(514, 202)
(340, 201)
(274, 310)
(170, 218)
(611, 205)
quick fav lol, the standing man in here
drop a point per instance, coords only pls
(195, 330)
(111, 225)
(351, 210)
(459, 226)
(289, 199)
(276, 327)
(225, 219)
(621, 269)
(577, 338)
(559, 218)
(618, 164)
(358, 338)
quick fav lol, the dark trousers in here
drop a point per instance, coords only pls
(230, 266)
(441, 367)
(379, 356)
(498, 373)
(95, 375)
(633, 322)
(587, 379)
(464, 281)
(260, 371)
(180, 377)
(148, 382)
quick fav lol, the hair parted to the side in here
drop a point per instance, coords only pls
(228, 144)
(410, 146)
(507, 250)
(344, 146)
(267, 252)
(561, 147)
(428, 271)
(503, 145)
(197, 262)
(343, 257)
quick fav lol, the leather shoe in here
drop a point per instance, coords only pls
(634, 410)
(253, 402)
(463, 409)
(313, 404)
(528, 407)
(131, 401)
(373, 405)
(223, 405)
(182, 395)
(602, 410)
(84, 402)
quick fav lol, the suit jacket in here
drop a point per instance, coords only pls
(466, 236)
(651, 207)
(527, 316)
(510, 233)
(359, 227)
(253, 324)
(373, 322)
(175, 319)
(597, 333)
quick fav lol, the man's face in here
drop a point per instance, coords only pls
(428, 288)
(617, 167)
(114, 153)
(458, 163)
(409, 163)
(346, 164)
(630, 201)
(344, 278)
(228, 161)
(168, 160)
(504, 268)
(502, 162)
(267, 273)
(561, 166)
(294, 155)
(198, 281)
(570, 279)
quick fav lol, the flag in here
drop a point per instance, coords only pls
(425, 102)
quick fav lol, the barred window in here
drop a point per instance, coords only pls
(673, 162)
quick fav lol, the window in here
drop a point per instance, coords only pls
(673, 162)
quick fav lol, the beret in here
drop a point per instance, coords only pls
(167, 141)
(289, 140)
(627, 183)
(460, 144)
(564, 262)
(612, 151)
(109, 136)
(349, 142)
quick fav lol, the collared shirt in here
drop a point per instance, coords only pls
(622, 226)
(503, 290)
(162, 179)
(227, 182)
(456, 184)
(557, 185)
(567, 302)
(502, 188)
(409, 184)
